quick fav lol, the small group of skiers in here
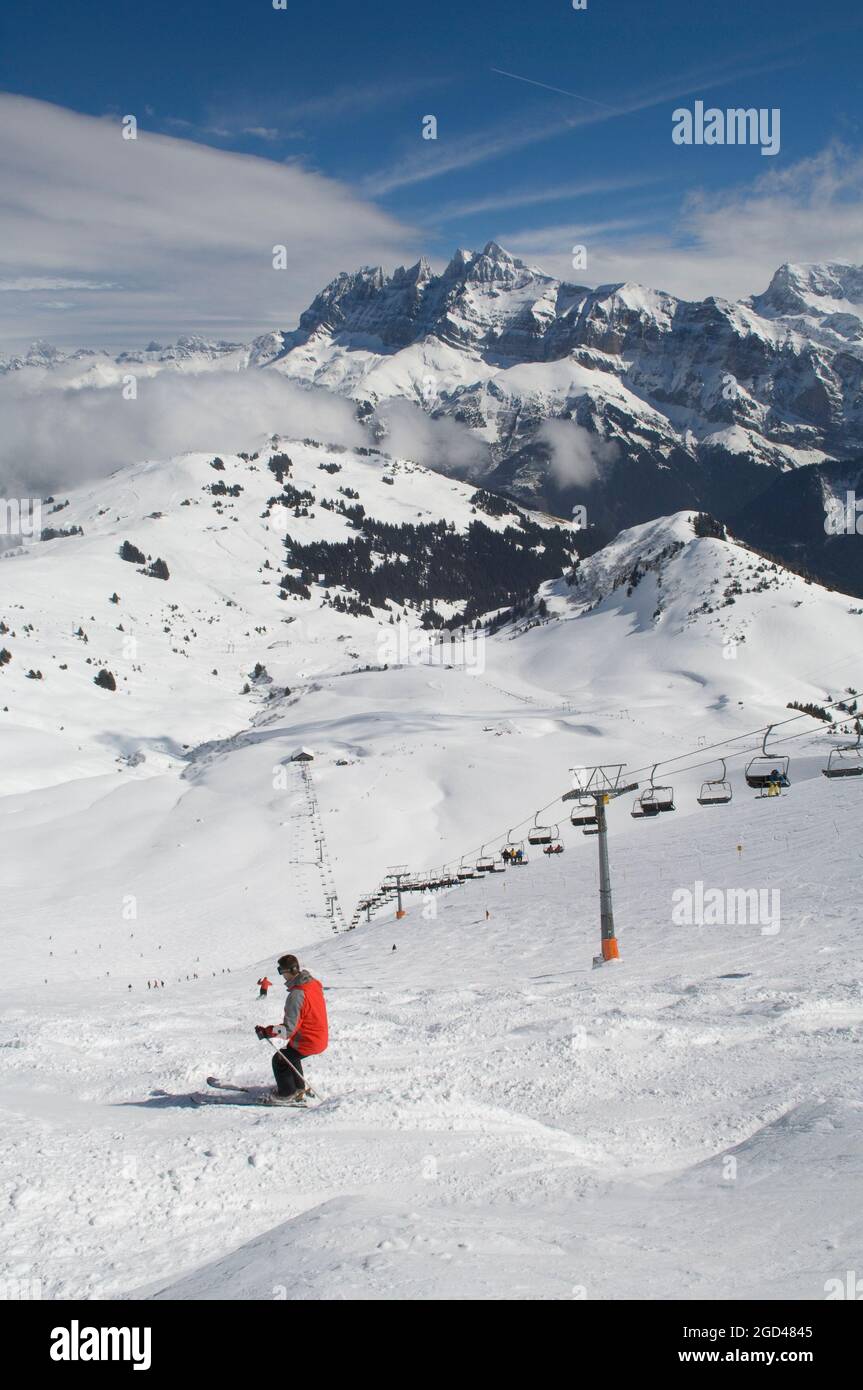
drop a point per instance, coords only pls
(553, 849)
(512, 856)
(304, 1029)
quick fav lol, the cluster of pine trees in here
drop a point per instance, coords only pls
(432, 561)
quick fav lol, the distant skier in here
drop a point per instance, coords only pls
(265, 985)
(304, 1028)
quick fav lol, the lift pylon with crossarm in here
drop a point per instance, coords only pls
(603, 784)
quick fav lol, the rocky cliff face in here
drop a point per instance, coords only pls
(773, 380)
(622, 398)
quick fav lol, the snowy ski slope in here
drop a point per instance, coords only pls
(501, 1120)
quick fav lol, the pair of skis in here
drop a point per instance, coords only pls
(244, 1095)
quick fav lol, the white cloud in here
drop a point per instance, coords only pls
(182, 232)
(53, 435)
(442, 444)
(577, 456)
(726, 244)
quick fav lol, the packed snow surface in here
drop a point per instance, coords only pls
(498, 1119)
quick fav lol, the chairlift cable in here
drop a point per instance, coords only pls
(763, 730)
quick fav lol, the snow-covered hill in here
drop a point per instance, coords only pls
(659, 641)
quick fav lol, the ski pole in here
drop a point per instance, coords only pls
(297, 1074)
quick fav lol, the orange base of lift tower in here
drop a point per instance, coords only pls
(609, 949)
(401, 914)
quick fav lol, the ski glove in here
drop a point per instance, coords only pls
(266, 1030)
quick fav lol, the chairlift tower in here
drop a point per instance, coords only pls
(603, 784)
(395, 874)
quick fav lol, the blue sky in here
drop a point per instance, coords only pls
(336, 93)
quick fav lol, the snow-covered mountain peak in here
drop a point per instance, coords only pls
(669, 403)
(495, 264)
(681, 569)
(812, 288)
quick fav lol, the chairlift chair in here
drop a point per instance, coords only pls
(583, 812)
(516, 848)
(642, 808)
(716, 791)
(485, 863)
(655, 799)
(541, 834)
(840, 764)
(766, 767)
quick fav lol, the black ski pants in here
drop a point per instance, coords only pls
(286, 1080)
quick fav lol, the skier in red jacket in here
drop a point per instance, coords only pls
(265, 985)
(304, 1029)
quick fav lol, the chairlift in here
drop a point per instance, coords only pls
(767, 767)
(716, 791)
(847, 759)
(655, 799)
(464, 871)
(642, 808)
(489, 863)
(583, 812)
(542, 834)
(513, 852)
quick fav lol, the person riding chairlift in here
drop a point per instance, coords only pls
(776, 782)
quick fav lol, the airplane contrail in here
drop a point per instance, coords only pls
(547, 88)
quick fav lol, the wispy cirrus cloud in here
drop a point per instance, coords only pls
(494, 142)
(29, 283)
(271, 121)
(531, 197)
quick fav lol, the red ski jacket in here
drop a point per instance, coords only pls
(305, 1026)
